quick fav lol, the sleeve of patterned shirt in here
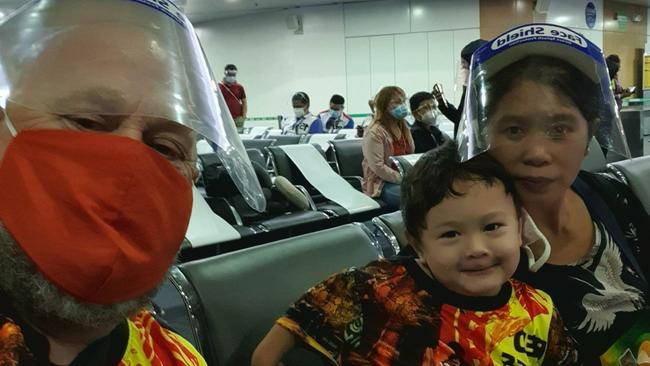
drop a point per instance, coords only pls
(561, 346)
(327, 314)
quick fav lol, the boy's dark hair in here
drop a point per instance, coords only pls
(432, 179)
(337, 99)
(417, 98)
(230, 67)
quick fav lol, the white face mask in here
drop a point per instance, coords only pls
(231, 79)
(430, 118)
(300, 112)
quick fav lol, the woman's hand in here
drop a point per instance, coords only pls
(438, 94)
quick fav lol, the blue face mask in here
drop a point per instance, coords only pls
(400, 111)
(335, 113)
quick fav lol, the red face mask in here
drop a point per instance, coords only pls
(101, 216)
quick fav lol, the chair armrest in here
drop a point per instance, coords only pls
(221, 207)
(312, 205)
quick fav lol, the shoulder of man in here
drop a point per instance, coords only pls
(149, 340)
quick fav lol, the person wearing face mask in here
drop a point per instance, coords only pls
(425, 133)
(97, 160)
(302, 119)
(447, 109)
(332, 119)
(235, 95)
(387, 135)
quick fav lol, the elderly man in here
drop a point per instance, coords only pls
(97, 157)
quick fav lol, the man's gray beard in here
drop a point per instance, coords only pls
(43, 305)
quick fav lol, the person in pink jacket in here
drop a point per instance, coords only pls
(387, 135)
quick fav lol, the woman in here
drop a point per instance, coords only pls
(388, 135)
(614, 66)
(536, 103)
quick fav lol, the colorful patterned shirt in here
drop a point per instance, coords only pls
(392, 313)
(140, 340)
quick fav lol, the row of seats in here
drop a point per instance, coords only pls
(282, 219)
(225, 304)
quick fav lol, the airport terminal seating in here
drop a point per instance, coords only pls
(230, 301)
(283, 166)
(636, 174)
(348, 156)
(260, 144)
(280, 215)
(405, 162)
(391, 226)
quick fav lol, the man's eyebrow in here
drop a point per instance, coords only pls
(95, 100)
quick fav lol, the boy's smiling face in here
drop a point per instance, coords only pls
(471, 242)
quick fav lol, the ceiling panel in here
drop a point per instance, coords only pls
(203, 10)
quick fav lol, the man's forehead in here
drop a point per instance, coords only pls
(92, 65)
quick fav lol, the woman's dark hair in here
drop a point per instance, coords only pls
(301, 96)
(613, 65)
(432, 179)
(557, 74)
(417, 98)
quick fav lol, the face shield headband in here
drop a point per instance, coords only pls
(552, 46)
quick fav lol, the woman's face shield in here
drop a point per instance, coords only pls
(540, 84)
(98, 64)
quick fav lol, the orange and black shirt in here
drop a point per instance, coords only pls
(139, 340)
(391, 312)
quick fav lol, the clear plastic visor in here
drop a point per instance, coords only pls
(523, 98)
(110, 62)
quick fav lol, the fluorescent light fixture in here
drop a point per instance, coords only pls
(562, 19)
(418, 11)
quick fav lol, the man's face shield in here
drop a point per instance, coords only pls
(99, 63)
(539, 83)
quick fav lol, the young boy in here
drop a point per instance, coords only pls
(453, 304)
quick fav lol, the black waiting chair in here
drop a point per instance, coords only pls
(348, 156)
(232, 300)
(260, 144)
(282, 165)
(405, 162)
(280, 214)
(285, 139)
(391, 226)
(636, 174)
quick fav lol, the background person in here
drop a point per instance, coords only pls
(333, 119)
(302, 119)
(425, 132)
(447, 109)
(614, 66)
(235, 95)
(388, 135)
